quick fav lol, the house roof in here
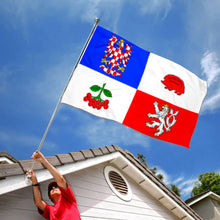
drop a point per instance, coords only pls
(123, 159)
(6, 158)
(201, 196)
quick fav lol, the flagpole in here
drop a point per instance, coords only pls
(57, 106)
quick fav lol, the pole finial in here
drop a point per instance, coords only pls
(97, 20)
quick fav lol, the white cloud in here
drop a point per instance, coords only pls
(14, 139)
(103, 132)
(203, 29)
(211, 69)
(85, 10)
(186, 186)
(212, 102)
(178, 180)
(166, 176)
(104, 9)
(47, 87)
(23, 11)
(196, 26)
(154, 6)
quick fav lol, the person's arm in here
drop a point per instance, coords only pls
(36, 192)
(39, 157)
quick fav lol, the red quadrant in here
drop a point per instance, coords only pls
(137, 117)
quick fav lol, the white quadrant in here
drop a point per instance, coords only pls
(80, 83)
(158, 68)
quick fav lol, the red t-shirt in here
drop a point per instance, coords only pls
(65, 209)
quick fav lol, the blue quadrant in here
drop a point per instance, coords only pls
(95, 52)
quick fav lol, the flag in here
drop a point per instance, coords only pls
(118, 80)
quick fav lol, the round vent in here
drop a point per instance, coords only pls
(117, 183)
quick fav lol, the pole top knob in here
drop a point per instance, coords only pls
(97, 20)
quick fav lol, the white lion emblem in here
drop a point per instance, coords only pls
(164, 120)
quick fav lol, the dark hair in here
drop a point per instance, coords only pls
(50, 187)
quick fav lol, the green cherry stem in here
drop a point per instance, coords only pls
(98, 97)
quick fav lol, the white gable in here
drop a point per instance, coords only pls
(151, 198)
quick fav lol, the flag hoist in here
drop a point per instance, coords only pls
(97, 20)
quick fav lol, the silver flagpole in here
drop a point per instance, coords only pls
(56, 108)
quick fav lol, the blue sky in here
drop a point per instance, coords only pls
(40, 44)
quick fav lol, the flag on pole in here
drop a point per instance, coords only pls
(118, 80)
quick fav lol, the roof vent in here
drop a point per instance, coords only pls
(117, 183)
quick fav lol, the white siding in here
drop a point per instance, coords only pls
(97, 201)
(18, 205)
(206, 209)
(94, 197)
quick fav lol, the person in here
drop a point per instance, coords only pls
(59, 192)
